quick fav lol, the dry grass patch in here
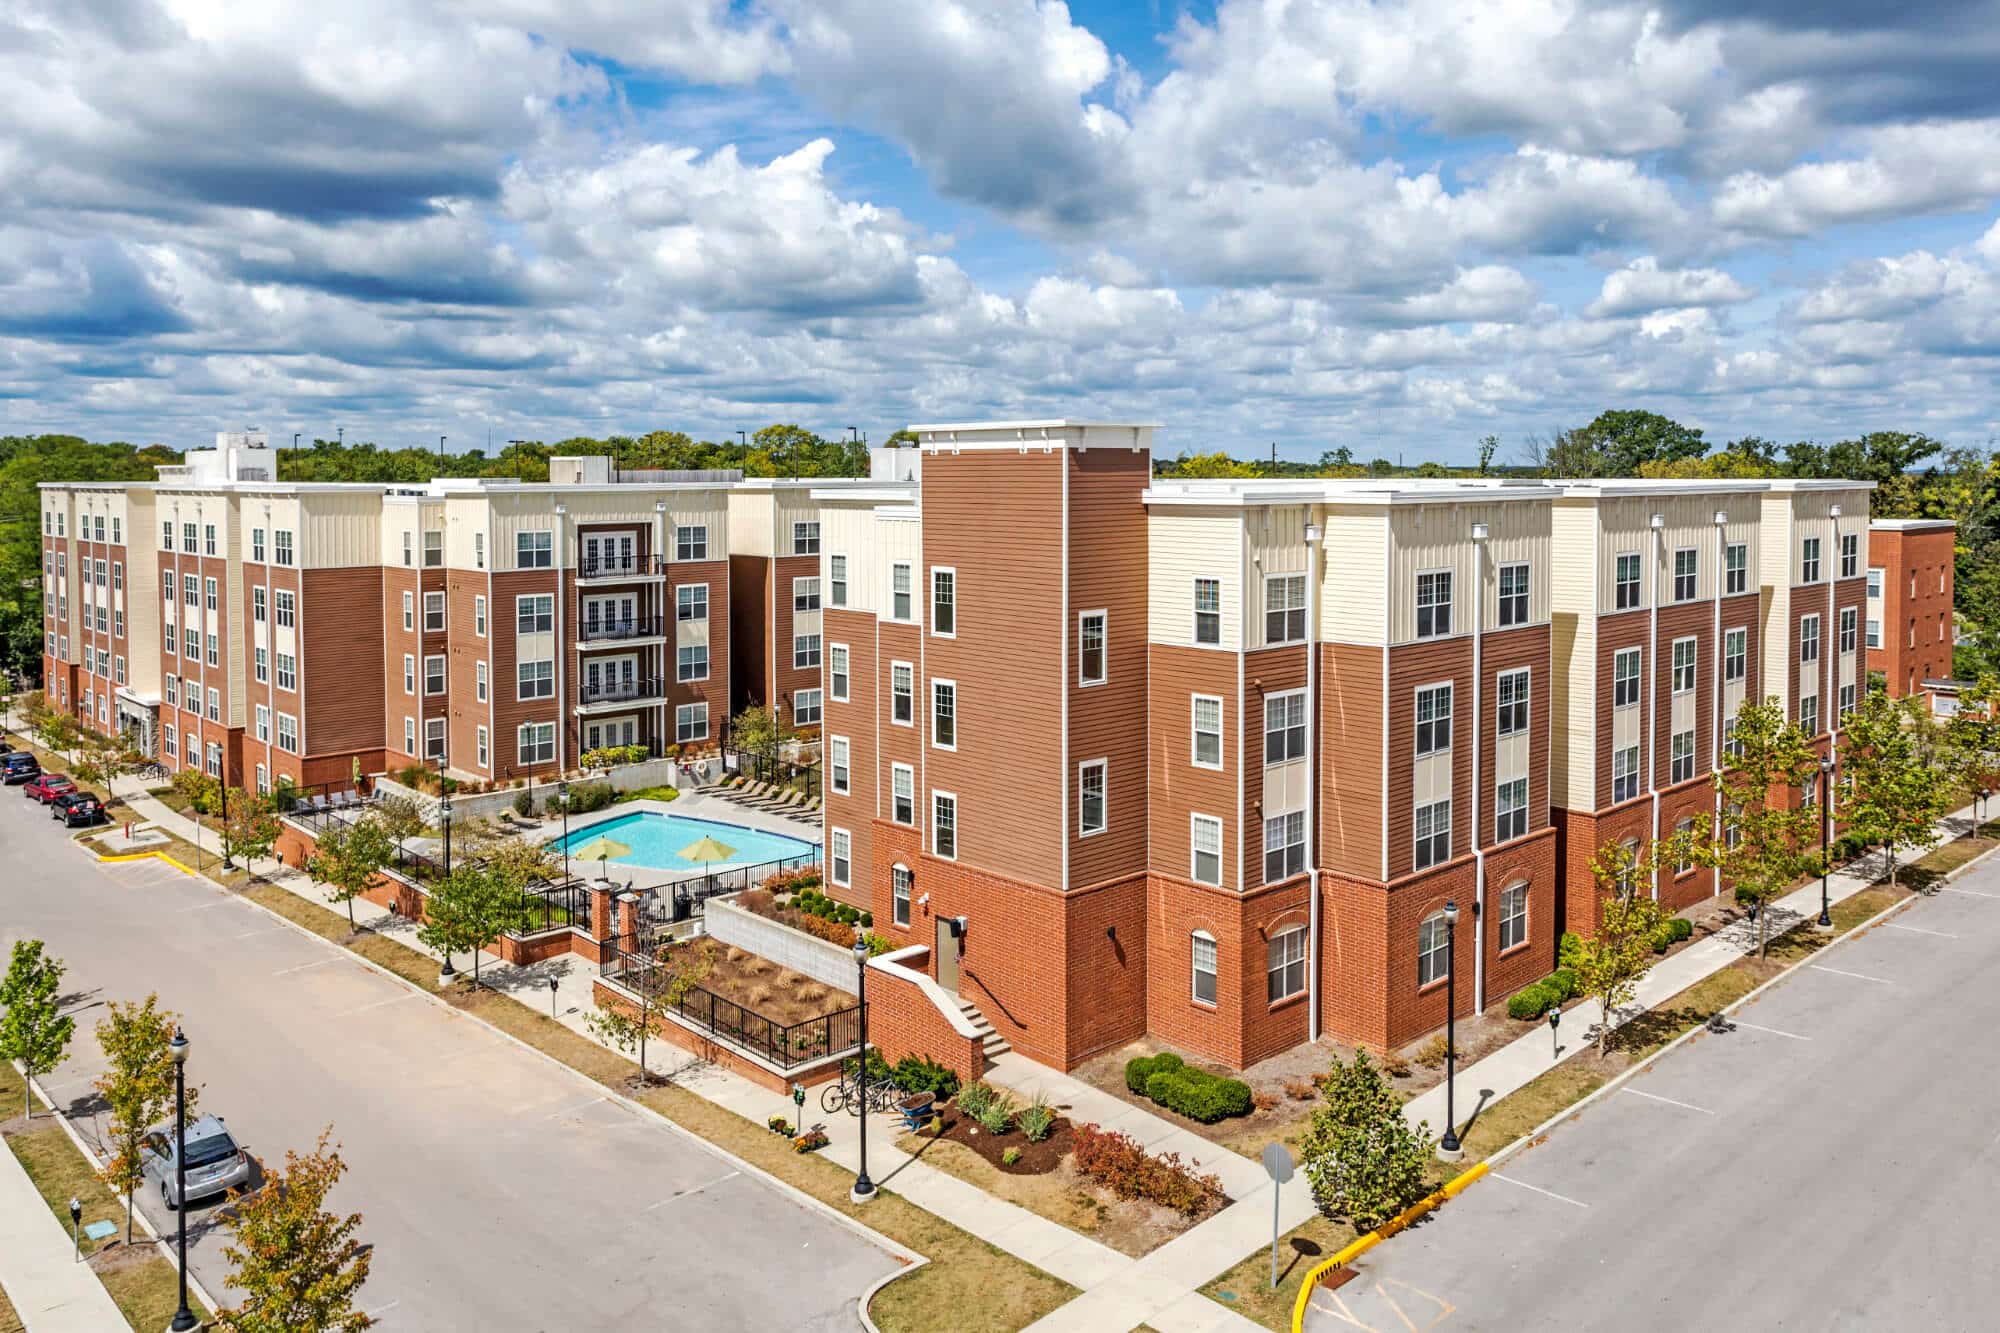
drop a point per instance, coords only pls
(1247, 1289)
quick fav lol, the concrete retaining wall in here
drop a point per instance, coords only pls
(819, 959)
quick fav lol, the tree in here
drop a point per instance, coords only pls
(469, 909)
(400, 818)
(662, 981)
(755, 730)
(137, 1086)
(1766, 846)
(1609, 961)
(1489, 445)
(1210, 466)
(1361, 1156)
(347, 859)
(1891, 794)
(57, 732)
(298, 1264)
(1972, 741)
(104, 759)
(34, 1029)
(248, 827)
(196, 788)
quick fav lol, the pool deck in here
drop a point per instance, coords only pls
(691, 805)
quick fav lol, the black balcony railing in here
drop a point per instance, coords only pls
(617, 566)
(611, 630)
(784, 1045)
(614, 691)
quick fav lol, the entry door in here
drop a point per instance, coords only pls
(947, 955)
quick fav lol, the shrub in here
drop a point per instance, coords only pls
(1568, 949)
(998, 1117)
(1531, 1002)
(831, 931)
(920, 1073)
(1393, 1064)
(1670, 932)
(1199, 1095)
(975, 1099)
(1142, 1067)
(1431, 1054)
(1264, 1101)
(868, 919)
(1036, 1119)
(1300, 1090)
(1360, 1156)
(1117, 1162)
(1565, 979)
(1011, 1156)
(877, 944)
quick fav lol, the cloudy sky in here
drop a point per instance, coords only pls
(1395, 226)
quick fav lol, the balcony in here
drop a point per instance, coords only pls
(606, 695)
(599, 569)
(610, 632)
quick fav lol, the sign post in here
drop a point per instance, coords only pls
(1277, 1165)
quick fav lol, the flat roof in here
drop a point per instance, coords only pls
(1626, 486)
(1054, 423)
(1341, 490)
(1911, 524)
(881, 492)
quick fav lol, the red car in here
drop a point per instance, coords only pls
(47, 787)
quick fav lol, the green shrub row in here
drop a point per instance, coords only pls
(1169, 1081)
(1531, 1002)
(1671, 932)
(814, 903)
(912, 1073)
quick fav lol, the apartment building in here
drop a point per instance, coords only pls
(1910, 628)
(777, 637)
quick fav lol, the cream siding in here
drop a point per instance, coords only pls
(1274, 544)
(1183, 545)
(753, 522)
(1354, 586)
(1573, 573)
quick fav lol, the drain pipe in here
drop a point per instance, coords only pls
(1652, 681)
(1479, 535)
(1312, 788)
(1718, 685)
(1829, 701)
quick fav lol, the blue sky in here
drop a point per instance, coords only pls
(1393, 226)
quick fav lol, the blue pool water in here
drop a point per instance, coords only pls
(656, 841)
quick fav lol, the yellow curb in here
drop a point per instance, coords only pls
(140, 856)
(1356, 1248)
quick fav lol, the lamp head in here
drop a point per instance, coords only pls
(1451, 914)
(178, 1047)
(860, 946)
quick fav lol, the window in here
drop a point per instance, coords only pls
(1684, 857)
(691, 542)
(288, 672)
(1433, 939)
(118, 576)
(173, 691)
(263, 723)
(479, 616)
(433, 611)
(805, 538)
(1284, 846)
(263, 781)
(1433, 719)
(1510, 809)
(1091, 664)
(944, 714)
(1513, 916)
(1875, 582)
(1285, 608)
(535, 680)
(1090, 812)
(1208, 610)
(1624, 774)
(534, 550)
(899, 890)
(1735, 654)
(532, 615)
(263, 664)
(208, 539)
(214, 650)
(1627, 581)
(434, 738)
(1284, 727)
(479, 687)
(1511, 688)
(410, 735)
(191, 590)
(1874, 632)
(479, 743)
(288, 733)
(1809, 714)
(433, 549)
(805, 651)
(190, 644)
(1433, 604)
(1203, 955)
(944, 825)
(1850, 555)
(433, 674)
(409, 673)
(1205, 846)
(166, 534)
(214, 760)
(281, 543)
(836, 577)
(899, 592)
(805, 594)
(214, 704)
(258, 607)
(1681, 756)
(1207, 752)
(1625, 678)
(805, 708)
(1686, 563)
(1684, 665)
(691, 722)
(840, 855)
(1433, 833)
(903, 793)
(1848, 617)
(408, 549)
(1809, 638)
(171, 742)
(691, 602)
(535, 743)
(691, 662)
(1732, 744)
(1846, 705)
(287, 604)
(944, 603)
(209, 597)
(1809, 560)
(479, 559)
(836, 671)
(836, 759)
(188, 538)
(257, 545)
(1513, 595)
(1285, 967)
(902, 694)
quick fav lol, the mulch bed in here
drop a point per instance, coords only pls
(1036, 1158)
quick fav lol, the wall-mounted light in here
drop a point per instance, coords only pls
(1721, 517)
(1659, 520)
(1479, 532)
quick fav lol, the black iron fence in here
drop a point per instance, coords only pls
(766, 766)
(690, 893)
(785, 1045)
(619, 566)
(610, 691)
(556, 906)
(610, 629)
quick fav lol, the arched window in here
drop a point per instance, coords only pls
(1513, 915)
(1204, 966)
(1286, 961)
(1432, 937)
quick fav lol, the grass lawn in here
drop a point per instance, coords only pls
(1247, 1288)
(10, 1322)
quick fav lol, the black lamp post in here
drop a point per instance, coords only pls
(183, 1318)
(1448, 1145)
(864, 1188)
(446, 973)
(562, 792)
(222, 824)
(1825, 831)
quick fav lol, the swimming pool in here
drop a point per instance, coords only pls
(656, 841)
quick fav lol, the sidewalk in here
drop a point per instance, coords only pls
(51, 1292)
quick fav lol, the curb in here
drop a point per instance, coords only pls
(1356, 1248)
(162, 856)
(868, 1296)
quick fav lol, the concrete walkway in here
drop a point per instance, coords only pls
(51, 1292)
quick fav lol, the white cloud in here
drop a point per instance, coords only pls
(1906, 171)
(1644, 286)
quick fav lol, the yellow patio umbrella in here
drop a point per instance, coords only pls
(706, 850)
(601, 849)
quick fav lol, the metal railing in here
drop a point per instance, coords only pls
(610, 629)
(617, 566)
(611, 691)
(785, 1045)
(765, 766)
(690, 892)
(555, 906)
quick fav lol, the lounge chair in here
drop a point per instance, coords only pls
(352, 797)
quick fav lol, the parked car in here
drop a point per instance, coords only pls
(19, 768)
(45, 787)
(215, 1162)
(76, 807)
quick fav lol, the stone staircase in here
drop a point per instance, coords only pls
(990, 1041)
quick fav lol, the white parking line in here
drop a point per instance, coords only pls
(349, 1013)
(682, 1194)
(1759, 1027)
(572, 1110)
(1919, 930)
(261, 930)
(1562, 1198)
(1858, 976)
(1655, 1097)
(381, 1310)
(283, 971)
(203, 907)
(1970, 893)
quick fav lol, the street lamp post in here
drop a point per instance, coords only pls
(864, 1188)
(183, 1318)
(446, 973)
(1448, 1147)
(1825, 833)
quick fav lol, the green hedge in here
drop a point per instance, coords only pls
(1140, 1068)
(1671, 932)
(1531, 1002)
(1195, 1093)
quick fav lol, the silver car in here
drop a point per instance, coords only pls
(214, 1161)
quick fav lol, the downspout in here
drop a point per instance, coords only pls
(1831, 702)
(1719, 684)
(271, 658)
(1652, 681)
(1313, 534)
(561, 650)
(1479, 535)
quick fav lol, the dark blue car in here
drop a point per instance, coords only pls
(19, 767)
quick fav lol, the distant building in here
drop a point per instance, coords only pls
(1910, 627)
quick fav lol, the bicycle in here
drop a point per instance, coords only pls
(844, 1096)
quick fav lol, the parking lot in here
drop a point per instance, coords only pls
(1824, 1163)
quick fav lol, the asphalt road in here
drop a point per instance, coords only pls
(499, 1192)
(1825, 1165)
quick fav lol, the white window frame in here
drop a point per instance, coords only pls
(481, 682)
(1513, 916)
(1284, 954)
(908, 594)
(838, 675)
(903, 787)
(1433, 947)
(806, 651)
(288, 733)
(1810, 644)
(1101, 768)
(1197, 731)
(1850, 555)
(1278, 601)
(1736, 653)
(838, 766)
(805, 537)
(950, 602)
(1083, 620)
(949, 713)
(527, 606)
(908, 671)
(409, 673)
(1439, 607)
(479, 616)
(690, 542)
(409, 736)
(840, 856)
(409, 613)
(1629, 756)
(534, 742)
(1619, 583)
(900, 884)
(1685, 646)
(799, 698)
(433, 610)
(836, 579)
(1637, 676)
(434, 660)
(1287, 729)
(687, 658)
(686, 601)
(263, 725)
(1850, 619)
(1285, 839)
(1215, 615)
(1439, 722)
(1514, 606)
(538, 548)
(1424, 853)
(805, 594)
(534, 678)
(1196, 939)
(479, 739)
(691, 722)
(1196, 824)
(950, 798)
(1513, 694)
(1809, 560)
(1681, 756)
(1687, 583)
(1507, 812)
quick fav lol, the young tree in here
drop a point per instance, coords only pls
(297, 1264)
(662, 982)
(1766, 846)
(1891, 794)
(248, 826)
(755, 730)
(137, 1086)
(34, 1029)
(469, 909)
(1972, 742)
(400, 818)
(347, 859)
(56, 731)
(1609, 962)
(1361, 1157)
(197, 788)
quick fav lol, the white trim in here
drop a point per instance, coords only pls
(914, 618)
(832, 859)
(931, 823)
(930, 588)
(1194, 734)
(1215, 971)
(894, 769)
(846, 765)
(1195, 820)
(1103, 766)
(833, 696)
(1104, 650)
(1416, 693)
(935, 743)
(910, 667)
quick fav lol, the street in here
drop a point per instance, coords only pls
(499, 1191)
(1825, 1164)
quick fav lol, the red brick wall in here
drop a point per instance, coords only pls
(607, 997)
(903, 1021)
(1241, 1027)
(1928, 554)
